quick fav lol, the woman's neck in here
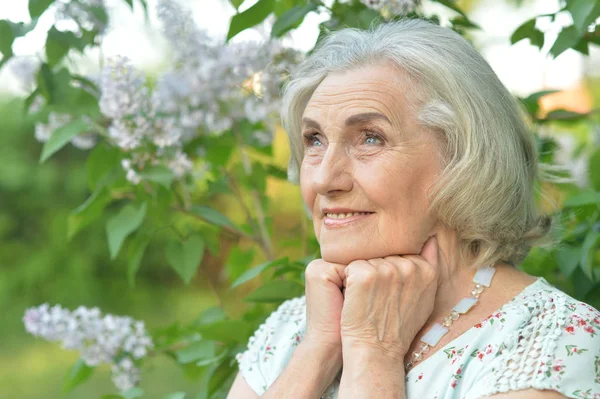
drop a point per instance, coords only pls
(456, 282)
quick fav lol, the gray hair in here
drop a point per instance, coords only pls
(487, 189)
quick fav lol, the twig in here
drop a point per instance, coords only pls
(230, 230)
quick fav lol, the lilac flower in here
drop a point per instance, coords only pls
(116, 340)
(392, 7)
(82, 13)
(124, 91)
(25, 69)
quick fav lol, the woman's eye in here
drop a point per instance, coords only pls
(372, 139)
(312, 140)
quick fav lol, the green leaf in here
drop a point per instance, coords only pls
(451, 5)
(78, 374)
(130, 3)
(221, 378)
(118, 227)
(196, 351)
(133, 393)
(298, 272)
(255, 271)
(37, 7)
(7, 36)
(588, 249)
(567, 38)
(57, 45)
(159, 174)
(523, 31)
(175, 395)
(61, 136)
(236, 3)
(582, 282)
(21, 28)
(281, 6)
(584, 12)
(99, 12)
(276, 291)
(87, 212)
(238, 261)
(582, 199)
(567, 258)
(213, 216)
(210, 316)
(594, 170)
(102, 162)
(226, 331)
(252, 16)
(564, 115)
(185, 257)
(528, 31)
(531, 102)
(291, 19)
(111, 396)
(582, 46)
(136, 253)
(45, 82)
(539, 94)
(464, 22)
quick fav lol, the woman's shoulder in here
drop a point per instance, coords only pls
(272, 344)
(555, 346)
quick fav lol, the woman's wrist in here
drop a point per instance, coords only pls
(371, 371)
(312, 368)
(373, 350)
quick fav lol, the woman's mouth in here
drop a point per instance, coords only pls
(333, 220)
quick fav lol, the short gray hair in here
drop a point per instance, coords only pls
(487, 189)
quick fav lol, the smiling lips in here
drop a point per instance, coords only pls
(339, 218)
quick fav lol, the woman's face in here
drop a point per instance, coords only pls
(365, 153)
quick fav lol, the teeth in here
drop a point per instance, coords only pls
(344, 215)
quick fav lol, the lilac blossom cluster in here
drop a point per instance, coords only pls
(82, 13)
(212, 85)
(209, 88)
(116, 340)
(392, 7)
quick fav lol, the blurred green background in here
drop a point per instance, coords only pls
(38, 264)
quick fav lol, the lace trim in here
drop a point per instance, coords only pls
(528, 353)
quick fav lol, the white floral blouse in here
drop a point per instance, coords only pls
(542, 339)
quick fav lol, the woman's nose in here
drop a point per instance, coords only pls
(334, 173)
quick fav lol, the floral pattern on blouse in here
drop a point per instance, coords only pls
(541, 339)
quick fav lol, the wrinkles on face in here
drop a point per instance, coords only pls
(374, 165)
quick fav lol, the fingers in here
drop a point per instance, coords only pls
(360, 271)
(319, 270)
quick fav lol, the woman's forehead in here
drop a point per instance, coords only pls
(375, 89)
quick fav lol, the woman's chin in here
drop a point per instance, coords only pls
(344, 256)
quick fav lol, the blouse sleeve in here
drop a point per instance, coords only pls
(272, 344)
(557, 348)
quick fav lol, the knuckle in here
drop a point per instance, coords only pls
(314, 269)
(408, 269)
(388, 270)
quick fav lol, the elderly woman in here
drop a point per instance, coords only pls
(418, 170)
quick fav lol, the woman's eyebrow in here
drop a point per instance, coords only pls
(365, 117)
(350, 121)
(307, 122)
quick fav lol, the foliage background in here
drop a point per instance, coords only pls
(38, 263)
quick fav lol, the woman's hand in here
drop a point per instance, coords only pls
(388, 300)
(324, 301)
